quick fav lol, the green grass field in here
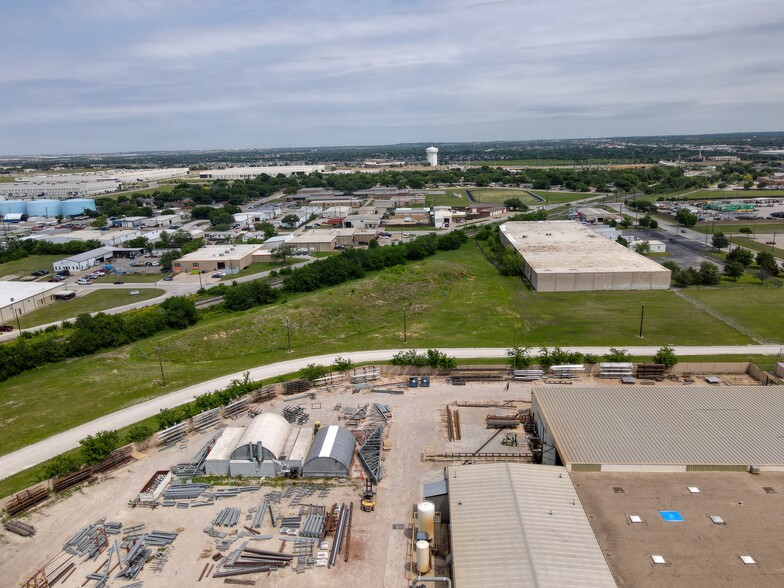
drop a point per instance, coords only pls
(454, 299)
(757, 246)
(31, 263)
(139, 278)
(5, 179)
(92, 302)
(727, 227)
(751, 307)
(258, 266)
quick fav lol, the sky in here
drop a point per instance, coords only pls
(92, 76)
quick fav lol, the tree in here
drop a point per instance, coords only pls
(767, 263)
(686, 218)
(267, 228)
(139, 433)
(515, 204)
(180, 312)
(708, 274)
(96, 449)
(282, 253)
(734, 269)
(643, 247)
(743, 256)
(645, 222)
(745, 230)
(666, 355)
(99, 222)
(290, 220)
(622, 241)
(519, 357)
(719, 240)
(626, 222)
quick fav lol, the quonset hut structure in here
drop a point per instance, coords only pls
(331, 454)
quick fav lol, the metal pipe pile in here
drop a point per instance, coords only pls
(313, 527)
(113, 527)
(84, 541)
(228, 517)
(20, 528)
(184, 491)
(339, 531)
(295, 414)
(134, 560)
(291, 523)
(159, 538)
(247, 560)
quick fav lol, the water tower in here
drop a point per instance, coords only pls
(432, 156)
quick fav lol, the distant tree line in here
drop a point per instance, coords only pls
(15, 249)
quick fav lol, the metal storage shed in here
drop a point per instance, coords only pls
(331, 453)
(263, 439)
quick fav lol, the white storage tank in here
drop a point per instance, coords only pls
(423, 556)
(77, 206)
(47, 208)
(426, 513)
(12, 206)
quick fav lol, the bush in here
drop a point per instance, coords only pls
(519, 357)
(313, 372)
(139, 433)
(96, 449)
(666, 356)
(618, 355)
(62, 465)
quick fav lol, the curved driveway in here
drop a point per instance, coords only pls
(38, 452)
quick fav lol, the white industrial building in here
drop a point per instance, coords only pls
(106, 238)
(86, 260)
(227, 258)
(653, 429)
(266, 446)
(566, 256)
(18, 298)
(432, 156)
(249, 173)
(442, 216)
(521, 525)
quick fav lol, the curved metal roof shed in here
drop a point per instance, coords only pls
(263, 439)
(331, 454)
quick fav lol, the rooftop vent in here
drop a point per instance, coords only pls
(717, 520)
(635, 519)
(618, 490)
(694, 490)
(659, 559)
(769, 490)
(748, 560)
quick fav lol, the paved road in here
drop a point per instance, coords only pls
(43, 450)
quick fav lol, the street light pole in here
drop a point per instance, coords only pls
(773, 243)
(642, 316)
(18, 324)
(405, 336)
(163, 377)
(288, 331)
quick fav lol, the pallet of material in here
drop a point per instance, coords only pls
(615, 369)
(295, 387)
(496, 421)
(475, 377)
(651, 371)
(79, 477)
(528, 375)
(27, 499)
(20, 528)
(116, 458)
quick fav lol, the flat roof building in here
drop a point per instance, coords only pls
(18, 298)
(653, 429)
(228, 258)
(249, 173)
(521, 525)
(566, 256)
(83, 261)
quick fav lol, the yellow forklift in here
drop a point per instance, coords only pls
(368, 502)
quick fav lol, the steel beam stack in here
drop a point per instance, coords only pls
(184, 491)
(370, 455)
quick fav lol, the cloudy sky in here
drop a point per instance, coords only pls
(80, 76)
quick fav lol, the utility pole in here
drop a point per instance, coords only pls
(642, 316)
(18, 324)
(405, 336)
(163, 377)
(288, 331)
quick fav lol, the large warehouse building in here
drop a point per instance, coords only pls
(331, 454)
(249, 173)
(521, 525)
(653, 429)
(18, 298)
(566, 256)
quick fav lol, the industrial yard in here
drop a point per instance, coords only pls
(203, 535)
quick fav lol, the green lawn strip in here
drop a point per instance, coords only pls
(499, 195)
(91, 302)
(130, 278)
(29, 264)
(562, 197)
(765, 226)
(258, 267)
(752, 307)
(725, 194)
(455, 299)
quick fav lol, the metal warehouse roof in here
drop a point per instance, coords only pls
(226, 444)
(728, 425)
(332, 442)
(89, 255)
(521, 525)
(269, 429)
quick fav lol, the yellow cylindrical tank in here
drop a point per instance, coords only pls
(423, 556)
(426, 513)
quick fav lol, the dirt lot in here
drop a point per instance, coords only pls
(379, 540)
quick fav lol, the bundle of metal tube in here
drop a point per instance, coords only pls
(339, 531)
(159, 538)
(251, 561)
(184, 491)
(228, 517)
(313, 527)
